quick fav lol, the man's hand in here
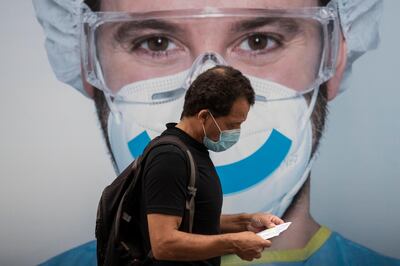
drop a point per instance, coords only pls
(261, 221)
(168, 243)
(249, 246)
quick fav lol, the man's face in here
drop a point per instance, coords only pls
(286, 50)
(233, 120)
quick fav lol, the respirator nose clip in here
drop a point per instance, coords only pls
(203, 62)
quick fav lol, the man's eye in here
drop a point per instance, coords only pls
(258, 42)
(157, 44)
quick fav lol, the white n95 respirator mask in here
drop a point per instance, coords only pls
(261, 172)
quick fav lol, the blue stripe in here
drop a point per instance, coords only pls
(138, 144)
(257, 167)
(245, 173)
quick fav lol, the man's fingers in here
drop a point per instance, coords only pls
(270, 220)
(263, 220)
(267, 243)
(255, 229)
(277, 220)
(270, 224)
(247, 258)
(267, 221)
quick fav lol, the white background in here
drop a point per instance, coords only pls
(53, 163)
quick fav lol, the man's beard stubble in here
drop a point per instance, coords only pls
(318, 119)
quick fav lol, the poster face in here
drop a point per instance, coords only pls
(55, 161)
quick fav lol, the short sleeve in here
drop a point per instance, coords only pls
(165, 180)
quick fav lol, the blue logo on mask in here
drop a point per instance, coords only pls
(243, 174)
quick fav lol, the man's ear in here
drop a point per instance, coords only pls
(88, 87)
(334, 83)
(202, 116)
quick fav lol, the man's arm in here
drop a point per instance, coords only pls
(233, 223)
(168, 243)
(254, 222)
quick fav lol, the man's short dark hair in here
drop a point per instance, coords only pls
(216, 90)
(93, 4)
(324, 2)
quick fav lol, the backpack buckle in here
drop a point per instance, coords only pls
(192, 191)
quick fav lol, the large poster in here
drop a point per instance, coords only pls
(319, 147)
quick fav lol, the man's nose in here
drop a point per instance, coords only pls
(208, 48)
(209, 35)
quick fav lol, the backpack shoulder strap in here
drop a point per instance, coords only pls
(191, 189)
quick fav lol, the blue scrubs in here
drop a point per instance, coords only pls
(324, 248)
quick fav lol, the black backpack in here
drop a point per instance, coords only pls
(118, 233)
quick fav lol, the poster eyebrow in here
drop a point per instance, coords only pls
(287, 24)
(129, 28)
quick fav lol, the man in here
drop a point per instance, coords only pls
(295, 54)
(216, 105)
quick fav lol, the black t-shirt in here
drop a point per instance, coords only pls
(165, 181)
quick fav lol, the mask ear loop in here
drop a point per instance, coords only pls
(220, 131)
(113, 108)
(286, 200)
(307, 115)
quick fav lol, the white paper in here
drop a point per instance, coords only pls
(274, 231)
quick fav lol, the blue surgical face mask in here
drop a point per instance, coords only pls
(227, 138)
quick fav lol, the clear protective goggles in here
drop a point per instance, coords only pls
(296, 48)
